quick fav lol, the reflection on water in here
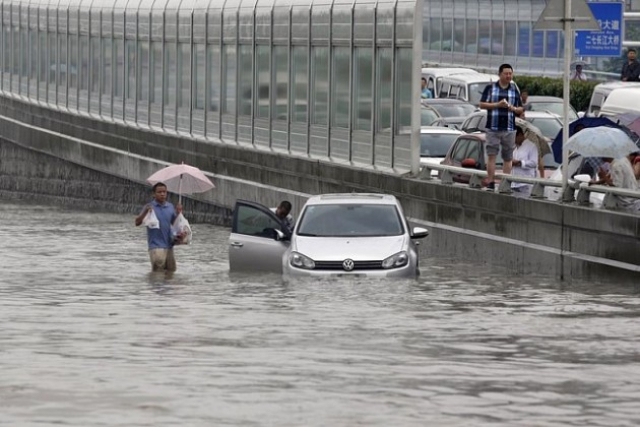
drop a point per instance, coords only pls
(91, 337)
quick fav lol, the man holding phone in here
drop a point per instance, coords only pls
(502, 102)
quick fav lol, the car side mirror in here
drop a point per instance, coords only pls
(419, 233)
(469, 163)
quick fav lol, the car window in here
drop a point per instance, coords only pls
(473, 122)
(430, 84)
(596, 102)
(460, 150)
(475, 92)
(549, 127)
(474, 151)
(350, 220)
(436, 144)
(428, 116)
(255, 222)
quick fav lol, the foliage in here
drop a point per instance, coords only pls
(546, 86)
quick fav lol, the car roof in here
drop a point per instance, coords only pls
(446, 71)
(479, 135)
(347, 198)
(474, 77)
(540, 115)
(430, 101)
(439, 129)
(539, 98)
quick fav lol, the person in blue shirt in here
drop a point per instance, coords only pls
(426, 93)
(161, 240)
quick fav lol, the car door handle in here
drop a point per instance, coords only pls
(236, 244)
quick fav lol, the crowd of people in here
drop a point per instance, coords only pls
(504, 102)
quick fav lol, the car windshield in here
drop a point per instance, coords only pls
(453, 110)
(428, 116)
(436, 144)
(475, 92)
(350, 220)
(548, 127)
(552, 107)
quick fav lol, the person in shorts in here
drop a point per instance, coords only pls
(161, 240)
(502, 102)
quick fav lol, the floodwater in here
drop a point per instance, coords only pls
(90, 338)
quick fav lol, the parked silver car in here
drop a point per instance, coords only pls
(336, 235)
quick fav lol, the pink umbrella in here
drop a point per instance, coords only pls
(182, 179)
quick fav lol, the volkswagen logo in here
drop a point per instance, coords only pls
(348, 264)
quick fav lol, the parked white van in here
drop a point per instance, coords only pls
(602, 91)
(620, 101)
(468, 87)
(434, 77)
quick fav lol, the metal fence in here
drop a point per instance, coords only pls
(329, 79)
(580, 192)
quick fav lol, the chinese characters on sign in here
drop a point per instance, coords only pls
(608, 41)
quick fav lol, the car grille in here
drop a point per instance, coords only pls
(358, 265)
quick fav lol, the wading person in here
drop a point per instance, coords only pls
(161, 240)
(502, 102)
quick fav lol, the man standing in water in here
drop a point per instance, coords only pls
(161, 240)
(502, 102)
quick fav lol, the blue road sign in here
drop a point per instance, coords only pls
(607, 42)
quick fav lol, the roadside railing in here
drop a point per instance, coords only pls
(611, 199)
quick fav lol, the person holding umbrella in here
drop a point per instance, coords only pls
(161, 240)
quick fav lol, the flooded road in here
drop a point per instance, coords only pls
(90, 338)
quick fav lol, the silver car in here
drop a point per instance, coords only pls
(336, 235)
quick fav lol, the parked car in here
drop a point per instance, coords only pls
(551, 104)
(336, 235)
(548, 123)
(450, 107)
(468, 87)
(601, 93)
(434, 77)
(468, 151)
(620, 101)
(435, 142)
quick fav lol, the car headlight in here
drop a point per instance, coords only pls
(298, 260)
(396, 260)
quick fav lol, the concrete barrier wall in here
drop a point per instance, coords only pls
(525, 235)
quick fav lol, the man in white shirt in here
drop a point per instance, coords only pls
(525, 163)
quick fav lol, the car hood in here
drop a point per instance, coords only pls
(355, 248)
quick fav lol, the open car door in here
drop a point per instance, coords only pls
(254, 244)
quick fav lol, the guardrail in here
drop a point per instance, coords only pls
(611, 194)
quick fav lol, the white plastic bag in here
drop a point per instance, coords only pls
(181, 230)
(151, 220)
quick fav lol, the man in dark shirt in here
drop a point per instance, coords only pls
(502, 102)
(631, 68)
